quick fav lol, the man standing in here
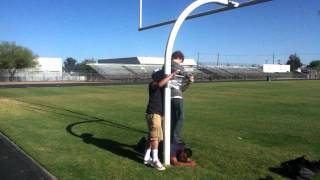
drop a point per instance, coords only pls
(178, 85)
(154, 115)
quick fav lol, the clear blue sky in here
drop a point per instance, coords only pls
(108, 29)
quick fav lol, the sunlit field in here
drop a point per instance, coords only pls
(237, 130)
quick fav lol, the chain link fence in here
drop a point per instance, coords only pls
(201, 74)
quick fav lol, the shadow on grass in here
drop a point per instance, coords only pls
(115, 147)
(78, 115)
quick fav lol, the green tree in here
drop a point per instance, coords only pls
(69, 64)
(86, 61)
(13, 57)
(294, 62)
(315, 64)
(83, 67)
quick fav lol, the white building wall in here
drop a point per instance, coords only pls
(49, 64)
(47, 69)
(274, 68)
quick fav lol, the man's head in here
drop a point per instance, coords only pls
(157, 75)
(177, 57)
(184, 155)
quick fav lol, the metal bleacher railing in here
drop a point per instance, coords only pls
(124, 73)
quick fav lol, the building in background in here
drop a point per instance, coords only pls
(276, 68)
(49, 64)
(144, 60)
(144, 63)
(47, 69)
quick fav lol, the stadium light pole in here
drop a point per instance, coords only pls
(167, 65)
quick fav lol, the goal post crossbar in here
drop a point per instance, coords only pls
(213, 11)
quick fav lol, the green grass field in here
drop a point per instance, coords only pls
(237, 130)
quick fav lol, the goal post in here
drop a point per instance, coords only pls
(169, 49)
(167, 70)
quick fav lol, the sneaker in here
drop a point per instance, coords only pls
(148, 162)
(158, 166)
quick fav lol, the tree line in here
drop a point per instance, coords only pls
(71, 64)
(13, 57)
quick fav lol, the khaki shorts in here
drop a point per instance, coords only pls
(154, 126)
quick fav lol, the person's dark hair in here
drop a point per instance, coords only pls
(158, 75)
(188, 151)
(177, 55)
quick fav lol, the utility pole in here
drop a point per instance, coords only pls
(273, 58)
(218, 59)
(198, 54)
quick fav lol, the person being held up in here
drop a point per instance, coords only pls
(179, 84)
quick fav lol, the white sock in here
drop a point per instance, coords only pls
(147, 154)
(155, 155)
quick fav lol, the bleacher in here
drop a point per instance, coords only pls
(110, 70)
(118, 71)
(231, 72)
(142, 73)
(142, 69)
(123, 70)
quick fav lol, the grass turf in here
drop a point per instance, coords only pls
(237, 130)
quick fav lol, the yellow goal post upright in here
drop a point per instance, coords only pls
(185, 15)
